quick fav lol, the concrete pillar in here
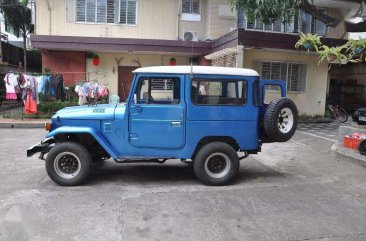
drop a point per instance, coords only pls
(240, 57)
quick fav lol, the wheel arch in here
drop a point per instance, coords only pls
(82, 135)
(209, 139)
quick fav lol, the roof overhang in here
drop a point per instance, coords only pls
(221, 53)
(271, 40)
(71, 43)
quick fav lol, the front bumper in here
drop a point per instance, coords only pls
(43, 147)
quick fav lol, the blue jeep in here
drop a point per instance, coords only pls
(211, 117)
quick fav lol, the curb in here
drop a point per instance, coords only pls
(348, 154)
(21, 125)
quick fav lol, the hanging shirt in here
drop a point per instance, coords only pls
(39, 80)
(11, 84)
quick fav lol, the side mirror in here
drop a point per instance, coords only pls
(135, 99)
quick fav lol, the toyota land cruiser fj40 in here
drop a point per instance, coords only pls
(211, 117)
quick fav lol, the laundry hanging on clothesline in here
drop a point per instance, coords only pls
(12, 86)
(31, 86)
(28, 84)
(89, 90)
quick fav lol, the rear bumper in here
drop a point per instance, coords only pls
(43, 147)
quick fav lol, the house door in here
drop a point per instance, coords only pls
(125, 77)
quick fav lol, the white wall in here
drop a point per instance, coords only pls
(312, 101)
(103, 73)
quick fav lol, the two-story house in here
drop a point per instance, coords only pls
(126, 34)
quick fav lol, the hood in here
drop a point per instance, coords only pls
(94, 112)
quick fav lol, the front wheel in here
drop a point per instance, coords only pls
(68, 164)
(341, 115)
(216, 164)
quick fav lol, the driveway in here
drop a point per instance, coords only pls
(291, 191)
(328, 131)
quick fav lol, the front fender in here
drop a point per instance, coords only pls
(84, 130)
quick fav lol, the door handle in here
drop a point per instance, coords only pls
(176, 123)
(135, 110)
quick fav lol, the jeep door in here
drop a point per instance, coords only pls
(156, 113)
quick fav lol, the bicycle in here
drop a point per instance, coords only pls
(338, 112)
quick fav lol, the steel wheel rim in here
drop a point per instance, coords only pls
(285, 120)
(67, 165)
(217, 165)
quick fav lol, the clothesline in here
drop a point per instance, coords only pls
(43, 73)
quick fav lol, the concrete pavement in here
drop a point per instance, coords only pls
(290, 191)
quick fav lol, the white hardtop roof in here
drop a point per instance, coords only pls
(197, 70)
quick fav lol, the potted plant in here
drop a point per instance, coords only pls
(333, 54)
(96, 60)
(172, 61)
(309, 41)
(356, 46)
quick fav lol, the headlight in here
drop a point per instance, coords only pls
(48, 126)
(357, 112)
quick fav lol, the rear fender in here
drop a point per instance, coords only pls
(84, 130)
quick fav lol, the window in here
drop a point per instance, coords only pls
(106, 11)
(127, 13)
(9, 28)
(158, 91)
(303, 22)
(293, 73)
(191, 6)
(219, 92)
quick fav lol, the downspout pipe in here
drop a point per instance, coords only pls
(50, 17)
(179, 15)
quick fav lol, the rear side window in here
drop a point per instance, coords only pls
(218, 92)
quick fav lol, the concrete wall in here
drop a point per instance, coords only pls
(157, 19)
(339, 31)
(199, 27)
(103, 73)
(218, 24)
(312, 101)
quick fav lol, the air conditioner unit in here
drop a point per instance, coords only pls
(190, 36)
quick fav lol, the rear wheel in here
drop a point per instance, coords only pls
(68, 164)
(216, 164)
(341, 115)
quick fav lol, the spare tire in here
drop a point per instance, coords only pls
(280, 120)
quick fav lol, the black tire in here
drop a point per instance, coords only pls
(275, 125)
(341, 115)
(210, 159)
(66, 156)
(362, 147)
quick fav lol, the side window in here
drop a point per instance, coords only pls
(164, 91)
(219, 92)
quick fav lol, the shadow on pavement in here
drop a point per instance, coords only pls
(152, 173)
